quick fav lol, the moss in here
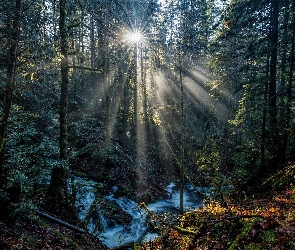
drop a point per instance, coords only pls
(253, 246)
(136, 246)
(60, 236)
(268, 237)
(242, 233)
(29, 239)
(72, 244)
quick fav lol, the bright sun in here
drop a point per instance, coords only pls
(135, 37)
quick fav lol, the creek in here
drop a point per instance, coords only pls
(118, 220)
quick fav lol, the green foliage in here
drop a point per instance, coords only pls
(268, 237)
(239, 58)
(241, 234)
(246, 160)
(136, 246)
(22, 211)
(209, 158)
(253, 246)
(4, 196)
(290, 172)
(18, 180)
(113, 153)
(211, 170)
(29, 239)
(282, 178)
(31, 152)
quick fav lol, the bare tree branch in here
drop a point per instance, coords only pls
(84, 68)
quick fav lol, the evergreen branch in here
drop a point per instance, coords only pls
(3, 78)
(74, 24)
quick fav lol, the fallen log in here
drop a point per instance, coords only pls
(227, 218)
(238, 217)
(125, 246)
(63, 223)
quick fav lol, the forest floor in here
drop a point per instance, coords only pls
(264, 223)
(45, 235)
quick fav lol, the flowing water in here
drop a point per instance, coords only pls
(136, 230)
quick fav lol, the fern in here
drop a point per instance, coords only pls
(23, 211)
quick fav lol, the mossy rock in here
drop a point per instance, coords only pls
(113, 213)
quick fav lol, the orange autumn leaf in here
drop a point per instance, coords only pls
(272, 209)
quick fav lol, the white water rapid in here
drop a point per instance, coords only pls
(122, 234)
(136, 230)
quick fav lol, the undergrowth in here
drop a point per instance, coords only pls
(256, 224)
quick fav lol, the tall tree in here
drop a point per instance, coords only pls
(57, 193)
(285, 76)
(274, 34)
(12, 56)
(257, 46)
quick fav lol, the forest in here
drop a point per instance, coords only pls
(130, 96)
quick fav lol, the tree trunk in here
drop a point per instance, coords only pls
(264, 116)
(126, 104)
(284, 108)
(290, 82)
(8, 93)
(135, 96)
(108, 95)
(57, 192)
(143, 84)
(182, 140)
(272, 81)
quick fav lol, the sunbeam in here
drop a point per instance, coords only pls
(134, 37)
(201, 95)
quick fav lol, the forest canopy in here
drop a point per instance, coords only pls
(141, 93)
